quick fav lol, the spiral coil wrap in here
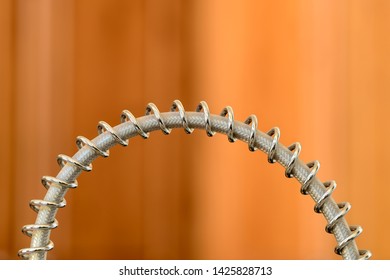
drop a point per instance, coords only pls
(36, 204)
(252, 119)
(127, 117)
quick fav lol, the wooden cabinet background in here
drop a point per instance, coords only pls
(319, 70)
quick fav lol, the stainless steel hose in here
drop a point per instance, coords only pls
(224, 123)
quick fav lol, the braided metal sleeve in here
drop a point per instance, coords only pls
(196, 120)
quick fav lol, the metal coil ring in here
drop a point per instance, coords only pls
(355, 232)
(35, 204)
(250, 136)
(330, 187)
(203, 106)
(344, 208)
(275, 132)
(28, 229)
(64, 159)
(364, 254)
(26, 252)
(177, 105)
(47, 181)
(153, 108)
(127, 116)
(82, 141)
(103, 126)
(252, 119)
(296, 148)
(314, 166)
(229, 112)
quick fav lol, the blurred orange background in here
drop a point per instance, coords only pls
(319, 70)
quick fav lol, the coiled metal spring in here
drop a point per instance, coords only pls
(224, 123)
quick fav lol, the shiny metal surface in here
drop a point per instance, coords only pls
(246, 131)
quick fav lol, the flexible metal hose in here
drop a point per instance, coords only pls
(201, 119)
